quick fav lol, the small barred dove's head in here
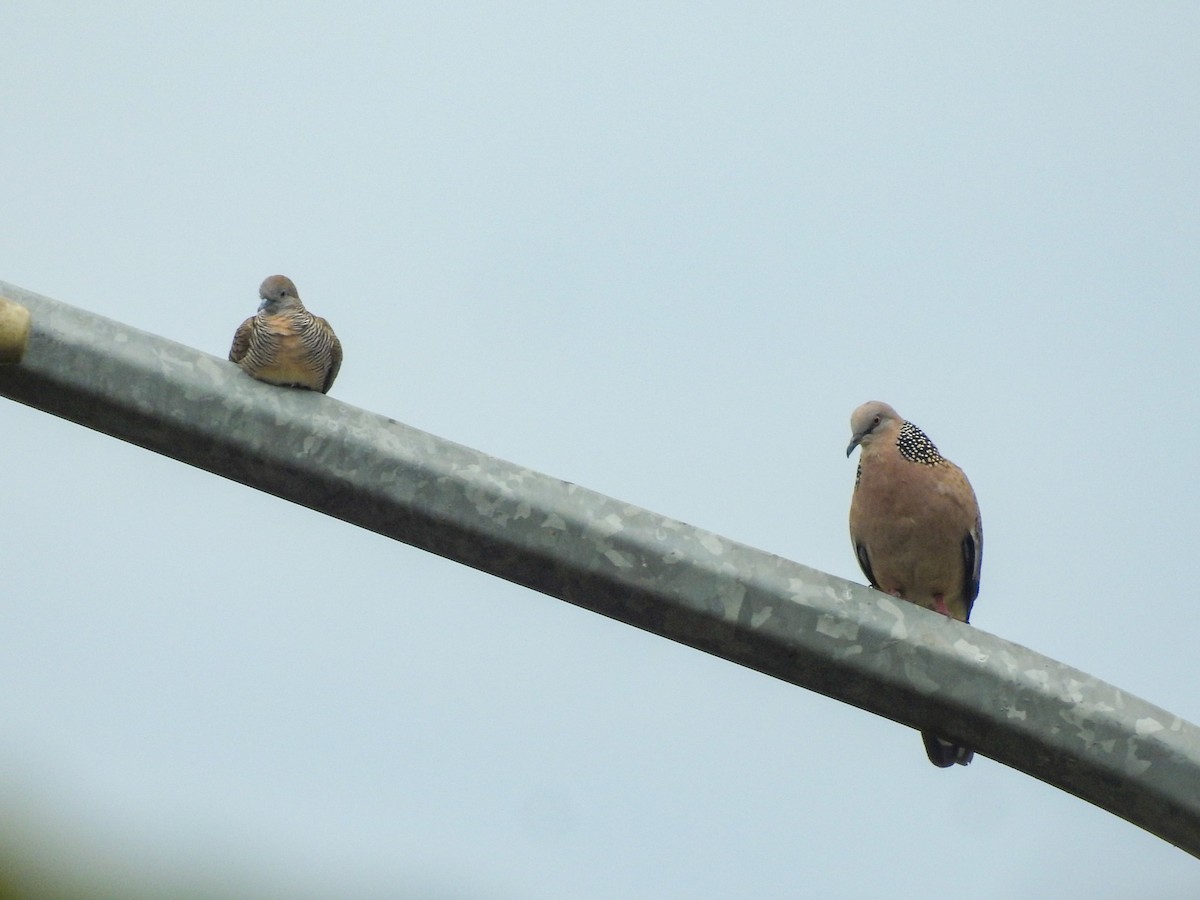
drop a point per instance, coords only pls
(278, 292)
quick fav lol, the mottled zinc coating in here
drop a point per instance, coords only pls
(811, 629)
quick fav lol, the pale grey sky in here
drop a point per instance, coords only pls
(660, 250)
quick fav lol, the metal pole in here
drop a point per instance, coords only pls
(806, 627)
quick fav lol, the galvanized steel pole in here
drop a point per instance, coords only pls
(814, 630)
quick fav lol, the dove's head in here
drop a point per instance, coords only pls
(278, 292)
(870, 419)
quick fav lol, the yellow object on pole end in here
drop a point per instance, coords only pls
(14, 331)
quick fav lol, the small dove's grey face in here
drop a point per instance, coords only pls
(276, 290)
(866, 420)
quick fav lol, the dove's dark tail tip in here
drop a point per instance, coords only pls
(944, 754)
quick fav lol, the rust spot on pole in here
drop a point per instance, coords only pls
(14, 331)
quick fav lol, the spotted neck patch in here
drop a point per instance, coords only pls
(916, 447)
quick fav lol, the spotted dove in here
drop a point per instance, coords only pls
(915, 525)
